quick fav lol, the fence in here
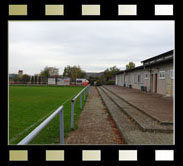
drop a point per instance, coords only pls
(82, 92)
(38, 129)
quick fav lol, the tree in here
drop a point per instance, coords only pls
(130, 65)
(109, 73)
(45, 72)
(67, 71)
(35, 79)
(16, 79)
(25, 78)
(39, 80)
(53, 71)
(32, 79)
(91, 80)
(49, 71)
(74, 72)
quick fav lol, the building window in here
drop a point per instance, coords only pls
(146, 76)
(171, 74)
(162, 75)
(138, 78)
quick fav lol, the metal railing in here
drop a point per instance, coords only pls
(82, 92)
(60, 110)
(38, 129)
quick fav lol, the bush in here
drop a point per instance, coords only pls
(110, 82)
(98, 83)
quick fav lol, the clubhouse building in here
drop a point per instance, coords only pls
(155, 75)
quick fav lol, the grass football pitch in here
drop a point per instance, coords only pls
(30, 105)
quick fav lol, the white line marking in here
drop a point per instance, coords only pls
(37, 122)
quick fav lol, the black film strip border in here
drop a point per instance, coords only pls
(108, 10)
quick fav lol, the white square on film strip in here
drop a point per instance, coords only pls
(163, 10)
(164, 155)
(129, 10)
(91, 155)
(127, 155)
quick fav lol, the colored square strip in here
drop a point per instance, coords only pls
(90, 10)
(91, 155)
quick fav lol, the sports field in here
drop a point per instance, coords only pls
(30, 105)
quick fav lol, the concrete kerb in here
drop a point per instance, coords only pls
(117, 125)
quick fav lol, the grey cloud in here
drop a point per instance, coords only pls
(94, 45)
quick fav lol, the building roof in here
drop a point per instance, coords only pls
(162, 57)
(167, 56)
(136, 68)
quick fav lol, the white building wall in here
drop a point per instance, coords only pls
(164, 86)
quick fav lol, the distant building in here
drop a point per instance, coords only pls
(20, 73)
(12, 76)
(155, 75)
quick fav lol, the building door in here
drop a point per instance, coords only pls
(151, 83)
(155, 82)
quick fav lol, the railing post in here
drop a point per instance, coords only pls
(72, 114)
(84, 94)
(87, 90)
(62, 126)
(81, 101)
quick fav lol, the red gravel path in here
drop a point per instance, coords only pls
(95, 124)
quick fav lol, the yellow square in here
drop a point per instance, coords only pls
(54, 10)
(54, 155)
(16, 10)
(18, 155)
(90, 9)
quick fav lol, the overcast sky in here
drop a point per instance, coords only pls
(94, 45)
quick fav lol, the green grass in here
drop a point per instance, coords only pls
(30, 105)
